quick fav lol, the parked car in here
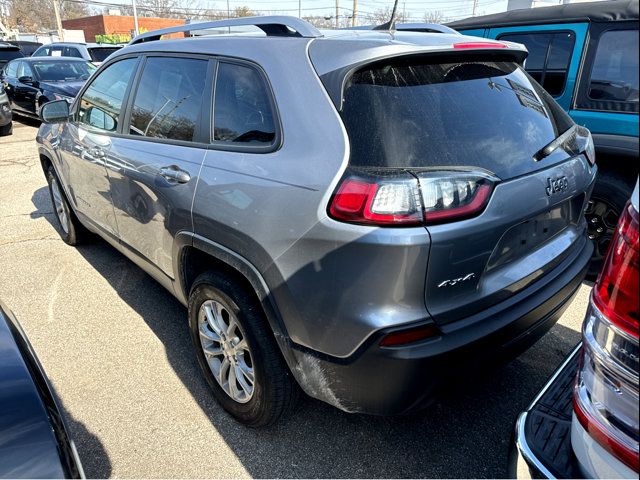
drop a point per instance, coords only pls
(34, 438)
(6, 124)
(8, 52)
(32, 82)
(584, 422)
(586, 56)
(27, 48)
(93, 52)
(322, 230)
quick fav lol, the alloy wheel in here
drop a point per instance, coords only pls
(61, 209)
(602, 218)
(226, 350)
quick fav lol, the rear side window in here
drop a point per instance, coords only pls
(100, 54)
(415, 114)
(549, 57)
(169, 98)
(11, 70)
(42, 52)
(101, 103)
(9, 54)
(614, 75)
(243, 112)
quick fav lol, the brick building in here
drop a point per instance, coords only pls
(118, 24)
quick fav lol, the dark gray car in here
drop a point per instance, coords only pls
(362, 214)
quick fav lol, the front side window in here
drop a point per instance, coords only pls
(101, 103)
(549, 57)
(614, 75)
(169, 97)
(242, 112)
(24, 70)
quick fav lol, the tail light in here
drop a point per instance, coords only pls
(606, 395)
(405, 199)
(470, 45)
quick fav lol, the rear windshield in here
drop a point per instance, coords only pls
(8, 54)
(101, 54)
(417, 113)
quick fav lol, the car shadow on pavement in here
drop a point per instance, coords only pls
(467, 433)
(93, 456)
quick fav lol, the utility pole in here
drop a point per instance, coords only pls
(136, 30)
(228, 13)
(475, 8)
(337, 13)
(56, 9)
(355, 13)
(299, 8)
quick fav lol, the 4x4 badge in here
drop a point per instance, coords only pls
(556, 185)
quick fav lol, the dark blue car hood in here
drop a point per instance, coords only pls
(70, 89)
(29, 447)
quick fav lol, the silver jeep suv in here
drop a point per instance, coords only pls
(362, 214)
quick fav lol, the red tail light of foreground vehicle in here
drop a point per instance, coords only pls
(405, 199)
(606, 394)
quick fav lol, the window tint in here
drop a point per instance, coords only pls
(24, 70)
(549, 57)
(413, 114)
(101, 103)
(169, 98)
(42, 52)
(71, 52)
(101, 54)
(242, 111)
(614, 75)
(12, 69)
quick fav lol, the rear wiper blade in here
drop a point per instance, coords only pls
(552, 146)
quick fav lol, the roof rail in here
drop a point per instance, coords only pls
(425, 27)
(272, 26)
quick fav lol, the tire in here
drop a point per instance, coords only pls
(6, 129)
(71, 230)
(610, 194)
(274, 392)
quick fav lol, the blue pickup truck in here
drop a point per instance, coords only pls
(586, 56)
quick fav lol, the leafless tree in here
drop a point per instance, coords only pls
(38, 15)
(382, 15)
(434, 16)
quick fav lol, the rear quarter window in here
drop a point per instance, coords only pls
(420, 114)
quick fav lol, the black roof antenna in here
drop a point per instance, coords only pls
(391, 24)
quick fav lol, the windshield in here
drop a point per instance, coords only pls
(57, 71)
(101, 54)
(416, 113)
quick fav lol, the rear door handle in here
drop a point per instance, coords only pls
(174, 174)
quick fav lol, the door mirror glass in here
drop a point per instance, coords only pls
(56, 111)
(26, 79)
(98, 118)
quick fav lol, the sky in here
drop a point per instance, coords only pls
(415, 9)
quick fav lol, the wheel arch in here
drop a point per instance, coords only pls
(194, 255)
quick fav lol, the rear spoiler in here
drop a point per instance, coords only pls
(336, 80)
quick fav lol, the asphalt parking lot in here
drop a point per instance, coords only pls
(116, 348)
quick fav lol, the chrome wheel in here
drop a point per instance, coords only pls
(226, 350)
(602, 219)
(58, 203)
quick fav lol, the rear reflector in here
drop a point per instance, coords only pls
(410, 335)
(467, 45)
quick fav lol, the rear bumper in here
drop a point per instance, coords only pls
(398, 380)
(542, 445)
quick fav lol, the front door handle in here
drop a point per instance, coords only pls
(174, 174)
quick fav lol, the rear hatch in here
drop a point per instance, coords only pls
(100, 54)
(500, 195)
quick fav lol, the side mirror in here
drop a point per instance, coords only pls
(56, 111)
(25, 79)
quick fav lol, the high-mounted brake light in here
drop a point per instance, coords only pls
(408, 200)
(470, 45)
